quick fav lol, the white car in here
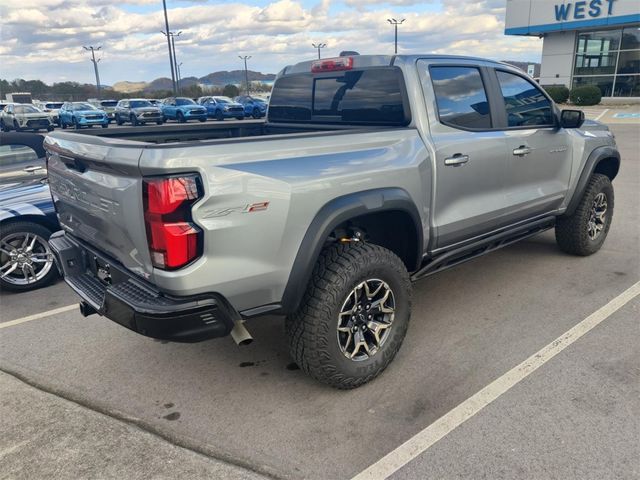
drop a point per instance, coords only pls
(23, 116)
(52, 108)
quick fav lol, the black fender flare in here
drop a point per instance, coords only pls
(332, 214)
(593, 160)
(34, 141)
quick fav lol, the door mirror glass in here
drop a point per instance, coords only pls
(571, 118)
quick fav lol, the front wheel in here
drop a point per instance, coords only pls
(354, 315)
(256, 113)
(16, 127)
(76, 123)
(26, 260)
(219, 116)
(181, 118)
(584, 232)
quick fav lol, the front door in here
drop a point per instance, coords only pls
(539, 153)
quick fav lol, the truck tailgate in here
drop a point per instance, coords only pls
(97, 191)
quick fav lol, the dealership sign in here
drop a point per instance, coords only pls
(582, 10)
(535, 17)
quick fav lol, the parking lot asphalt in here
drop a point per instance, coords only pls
(575, 417)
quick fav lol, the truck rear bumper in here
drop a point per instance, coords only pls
(113, 292)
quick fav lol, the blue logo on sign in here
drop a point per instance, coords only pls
(582, 9)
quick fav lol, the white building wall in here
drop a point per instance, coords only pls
(557, 58)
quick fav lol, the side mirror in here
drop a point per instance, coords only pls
(571, 118)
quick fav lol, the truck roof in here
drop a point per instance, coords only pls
(363, 61)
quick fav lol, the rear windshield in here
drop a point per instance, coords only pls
(369, 97)
(109, 103)
(140, 104)
(53, 105)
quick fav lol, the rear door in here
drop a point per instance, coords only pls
(470, 154)
(97, 191)
(539, 158)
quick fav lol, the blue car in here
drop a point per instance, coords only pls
(222, 107)
(81, 114)
(182, 109)
(253, 107)
(27, 216)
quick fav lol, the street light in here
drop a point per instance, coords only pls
(179, 75)
(93, 51)
(319, 46)
(175, 58)
(166, 33)
(395, 23)
(246, 72)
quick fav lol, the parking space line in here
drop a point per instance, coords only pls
(602, 114)
(424, 439)
(37, 316)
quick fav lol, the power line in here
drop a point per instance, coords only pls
(395, 23)
(93, 51)
(319, 46)
(246, 71)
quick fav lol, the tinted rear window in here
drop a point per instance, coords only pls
(373, 96)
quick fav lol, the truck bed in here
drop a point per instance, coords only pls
(173, 133)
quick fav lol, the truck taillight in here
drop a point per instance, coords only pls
(174, 241)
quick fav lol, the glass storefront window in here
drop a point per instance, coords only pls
(604, 83)
(595, 64)
(603, 41)
(627, 86)
(609, 59)
(630, 38)
(629, 62)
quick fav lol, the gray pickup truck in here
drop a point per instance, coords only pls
(370, 172)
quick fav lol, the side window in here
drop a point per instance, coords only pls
(461, 97)
(526, 105)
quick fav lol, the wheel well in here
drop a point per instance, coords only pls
(608, 166)
(394, 230)
(39, 219)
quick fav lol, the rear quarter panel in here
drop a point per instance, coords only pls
(248, 256)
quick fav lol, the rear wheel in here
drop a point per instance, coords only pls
(353, 317)
(584, 232)
(26, 260)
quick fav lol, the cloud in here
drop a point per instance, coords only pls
(44, 38)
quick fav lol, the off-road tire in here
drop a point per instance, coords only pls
(312, 330)
(571, 230)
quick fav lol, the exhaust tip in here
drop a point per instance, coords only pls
(240, 334)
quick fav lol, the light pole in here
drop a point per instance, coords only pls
(93, 51)
(246, 71)
(179, 75)
(175, 58)
(166, 32)
(395, 23)
(319, 46)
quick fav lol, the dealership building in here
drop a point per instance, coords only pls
(589, 42)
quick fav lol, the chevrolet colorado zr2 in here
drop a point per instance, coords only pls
(369, 173)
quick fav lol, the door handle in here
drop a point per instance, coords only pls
(521, 151)
(457, 160)
(32, 169)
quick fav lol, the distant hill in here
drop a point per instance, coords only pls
(214, 79)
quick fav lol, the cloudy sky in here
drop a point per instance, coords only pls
(44, 38)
